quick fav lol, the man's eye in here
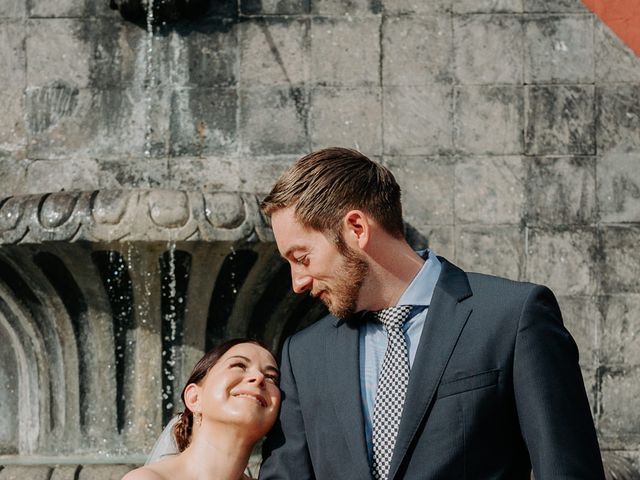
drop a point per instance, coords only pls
(301, 260)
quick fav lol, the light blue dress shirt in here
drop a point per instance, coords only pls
(373, 337)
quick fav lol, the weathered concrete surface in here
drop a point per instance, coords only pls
(560, 120)
(559, 49)
(511, 125)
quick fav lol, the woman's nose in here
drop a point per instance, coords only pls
(257, 377)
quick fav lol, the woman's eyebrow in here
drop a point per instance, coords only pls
(248, 360)
(238, 356)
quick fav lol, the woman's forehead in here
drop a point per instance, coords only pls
(251, 351)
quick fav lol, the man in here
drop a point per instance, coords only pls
(422, 371)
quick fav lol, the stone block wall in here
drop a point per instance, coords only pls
(513, 127)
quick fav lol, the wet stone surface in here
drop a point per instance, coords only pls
(511, 125)
(476, 247)
(427, 186)
(25, 473)
(9, 401)
(417, 120)
(564, 260)
(474, 35)
(169, 209)
(559, 49)
(203, 121)
(417, 51)
(206, 57)
(224, 210)
(490, 184)
(56, 209)
(273, 51)
(335, 43)
(346, 116)
(553, 6)
(487, 6)
(561, 190)
(581, 315)
(258, 130)
(280, 7)
(340, 7)
(619, 118)
(560, 120)
(620, 330)
(621, 269)
(412, 6)
(619, 187)
(489, 119)
(620, 388)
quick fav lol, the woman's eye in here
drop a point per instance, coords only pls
(239, 365)
(272, 378)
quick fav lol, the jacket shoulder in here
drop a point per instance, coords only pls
(502, 291)
(311, 336)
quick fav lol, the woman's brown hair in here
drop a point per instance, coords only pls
(183, 429)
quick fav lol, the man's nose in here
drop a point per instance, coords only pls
(300, 283)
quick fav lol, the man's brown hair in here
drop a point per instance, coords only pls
(324, 185)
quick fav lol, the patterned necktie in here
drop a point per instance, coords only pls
(392, 388)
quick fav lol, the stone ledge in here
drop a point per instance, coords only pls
(64, 472)
(132, 215)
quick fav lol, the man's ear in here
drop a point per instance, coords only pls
(357, 228)
(192, 397)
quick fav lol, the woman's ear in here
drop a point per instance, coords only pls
(192, 397)
(357, 228)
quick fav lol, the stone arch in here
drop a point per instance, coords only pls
(35, 411)
(97, 287)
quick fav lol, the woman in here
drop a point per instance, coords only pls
(231, 401)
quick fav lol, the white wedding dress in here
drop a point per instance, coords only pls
(165, 445)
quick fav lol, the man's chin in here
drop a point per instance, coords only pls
(342, 312)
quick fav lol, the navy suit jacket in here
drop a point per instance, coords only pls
(495, 389)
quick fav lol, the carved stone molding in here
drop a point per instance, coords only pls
(132, 216)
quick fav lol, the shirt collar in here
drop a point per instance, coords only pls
(420, 290)
(418, 293)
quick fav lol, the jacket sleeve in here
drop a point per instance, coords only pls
(285, 453)
(551, 401)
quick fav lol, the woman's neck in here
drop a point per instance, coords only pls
(217, 453)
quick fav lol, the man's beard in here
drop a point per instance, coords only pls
(343, 296)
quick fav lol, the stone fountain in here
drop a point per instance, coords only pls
(108, 298)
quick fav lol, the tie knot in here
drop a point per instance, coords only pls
(394, 317)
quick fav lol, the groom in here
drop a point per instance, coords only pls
(422, 371)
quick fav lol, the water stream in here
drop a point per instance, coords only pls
(149, 84)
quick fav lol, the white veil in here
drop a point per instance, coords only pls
(166, 443)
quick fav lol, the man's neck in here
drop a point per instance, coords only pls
(393, 266)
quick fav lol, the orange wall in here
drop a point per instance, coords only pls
(621, 16)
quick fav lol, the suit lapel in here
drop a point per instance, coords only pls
(445, 320)
(342, 356)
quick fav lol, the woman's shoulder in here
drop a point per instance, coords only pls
(143, 473)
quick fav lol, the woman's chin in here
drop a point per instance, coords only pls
(252, 421)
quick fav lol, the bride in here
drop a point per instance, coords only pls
(231, 401)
